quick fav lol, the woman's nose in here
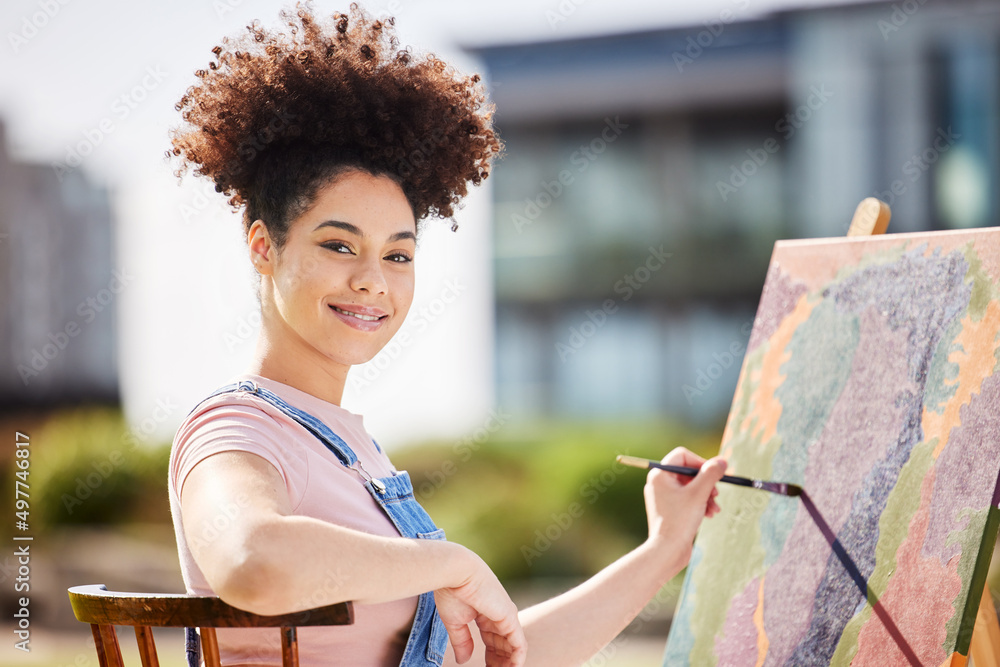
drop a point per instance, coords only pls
(368, 276)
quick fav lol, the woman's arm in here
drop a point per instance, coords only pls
(570, 628)
(267, 561)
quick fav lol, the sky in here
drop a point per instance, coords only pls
(91, 84)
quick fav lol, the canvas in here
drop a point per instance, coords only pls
(871, 380)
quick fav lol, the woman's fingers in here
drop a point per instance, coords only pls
(482, 599)
(456, 615)
(676, 504)
(502, 649)
(506, 640)
(683, 457)
(710, 474)
(461, 641)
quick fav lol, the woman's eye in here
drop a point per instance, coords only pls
(337, 246)
(400, 257)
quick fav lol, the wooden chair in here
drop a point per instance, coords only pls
(104, 609)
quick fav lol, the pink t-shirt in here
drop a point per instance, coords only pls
(318, 485)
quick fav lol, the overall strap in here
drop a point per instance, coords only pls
(428, 639)
(333, 441)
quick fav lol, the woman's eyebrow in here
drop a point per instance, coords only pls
(399, 236)
(346, 226)
(354, 229)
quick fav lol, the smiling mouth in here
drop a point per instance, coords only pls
(366, 318)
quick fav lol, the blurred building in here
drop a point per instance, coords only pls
(648, 175)
(59, 287)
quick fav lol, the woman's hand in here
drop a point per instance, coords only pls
(676, 504)
(481, 598)
(570, 629)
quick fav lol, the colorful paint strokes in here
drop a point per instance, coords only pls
(872, 379)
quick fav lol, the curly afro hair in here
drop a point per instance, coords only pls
(277, 115)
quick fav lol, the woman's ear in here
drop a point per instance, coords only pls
(261, 247)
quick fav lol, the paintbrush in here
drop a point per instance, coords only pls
(774, 487)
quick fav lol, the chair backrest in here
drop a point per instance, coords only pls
(104, 609)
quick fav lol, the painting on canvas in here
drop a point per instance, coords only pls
(871, 380)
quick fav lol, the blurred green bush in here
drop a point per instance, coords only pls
(545, 499)
(535, 500)
(85, 468)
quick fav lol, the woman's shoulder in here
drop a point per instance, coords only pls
(232, 421)
(229, 404)
(272, 417)
(299, 408)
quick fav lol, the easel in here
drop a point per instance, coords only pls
(870, 218)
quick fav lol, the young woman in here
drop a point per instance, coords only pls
(337, 146)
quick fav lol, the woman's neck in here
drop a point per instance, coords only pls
(289, 365)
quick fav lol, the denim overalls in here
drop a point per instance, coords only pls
(428, 638)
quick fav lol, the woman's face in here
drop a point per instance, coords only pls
(343, 282)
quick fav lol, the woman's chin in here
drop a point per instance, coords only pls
(359, 358)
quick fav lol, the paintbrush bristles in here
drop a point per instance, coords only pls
(781, 488)
(633, 461)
